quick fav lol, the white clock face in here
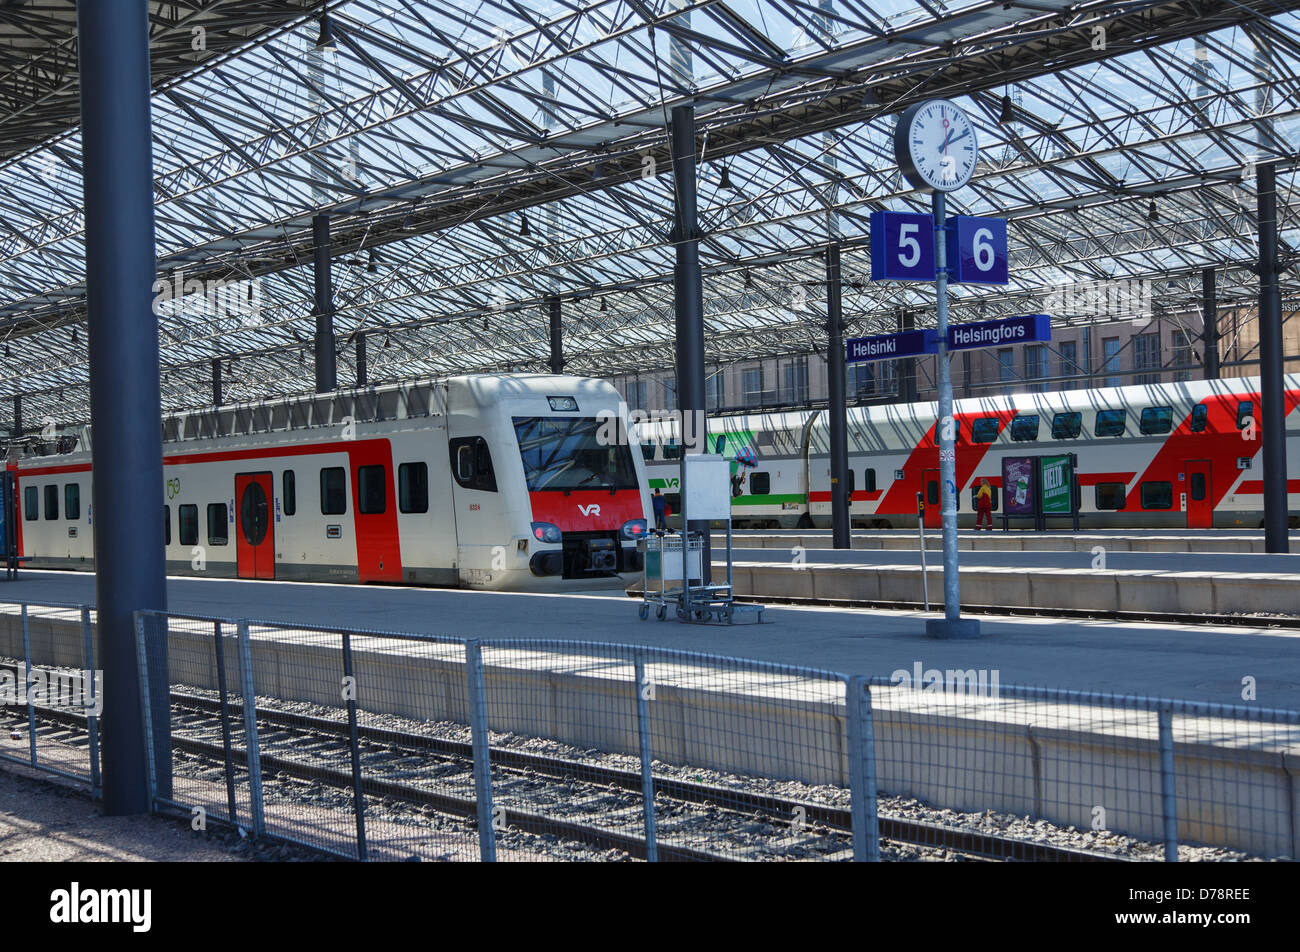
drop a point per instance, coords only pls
(941, 142)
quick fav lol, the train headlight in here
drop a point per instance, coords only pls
(545, 532)
(634, 529)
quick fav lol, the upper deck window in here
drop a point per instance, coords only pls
(1109, 423)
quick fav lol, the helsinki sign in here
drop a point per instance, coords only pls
(889, 346)
(1011, 330)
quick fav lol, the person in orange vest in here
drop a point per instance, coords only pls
(984, 506)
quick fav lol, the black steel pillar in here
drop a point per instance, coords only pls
(906, 371)
(326, 371)
(688, 300)
(361, 358)
(838, 401)
(216, 383)
(557, 338)
(1210, 336)
(1272, 396)
(125, 402)
(18, 415)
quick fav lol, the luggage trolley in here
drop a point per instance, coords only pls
(673, 555)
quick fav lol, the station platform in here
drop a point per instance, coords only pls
(1113, 540)
(1019, 755)
(1162, 583)
(1192, 662)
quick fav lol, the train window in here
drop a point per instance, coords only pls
(289, 492)
(71, 501)
(413, 487)
(1067, 426)
(1245, 413)
(1196, 486)
(51, 502)
(569, 453)
(1024, 427)
(333, 491)
(672, 450)
(869, 480)
(1157, 495)
(1200, 416)
(932, 492)
(647, 451)
(218, 532)
(372, 488)
(1109, 495)
(674, 502)
(187, 518)
(985, 430)
(760, 484)
(974, 491)
(1156, 420)
(31, 504)
(167, 524)
(1110, 423)
(471, 463)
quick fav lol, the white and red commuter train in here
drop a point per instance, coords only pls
(1176, 455)
(491, 482)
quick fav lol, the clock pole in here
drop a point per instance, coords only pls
(952, 625)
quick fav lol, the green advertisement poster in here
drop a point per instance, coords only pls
(1056, 485)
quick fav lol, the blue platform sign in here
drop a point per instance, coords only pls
(902, 246)
(977, 250)
(890, 346)
(1010, 330)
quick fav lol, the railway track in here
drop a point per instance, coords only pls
(393, 759)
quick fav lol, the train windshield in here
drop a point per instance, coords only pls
(565, 453)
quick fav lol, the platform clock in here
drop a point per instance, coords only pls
(935, 146)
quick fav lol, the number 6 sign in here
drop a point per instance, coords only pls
(977, 250)
(902, 246)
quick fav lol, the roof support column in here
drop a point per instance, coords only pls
(906, 367)
(1210, 336)
(688, 300)
(216, 382)
(1272, 396)
(361, 359)
(18, 415)
(557, 336)
(838, 401)
(126, 406)
(326, 371)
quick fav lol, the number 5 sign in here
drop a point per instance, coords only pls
(977, 250)
(902, 246)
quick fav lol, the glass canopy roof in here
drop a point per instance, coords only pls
(479, 158)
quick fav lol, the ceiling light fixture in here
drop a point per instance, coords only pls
(1008, 113)
(524, 230)
(724, 180)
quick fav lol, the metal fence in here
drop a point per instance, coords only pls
(390, 746)
(50, 690)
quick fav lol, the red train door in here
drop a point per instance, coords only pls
(933, 499)
(1200, 500)
(255, 530)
